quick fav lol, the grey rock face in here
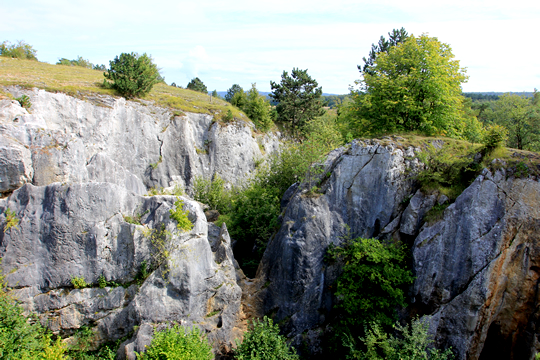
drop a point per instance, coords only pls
(15, 165)
(476, 269)
(79, 230)
(364, 191)
(123, 142)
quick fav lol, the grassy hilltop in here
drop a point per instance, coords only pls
(79, 82)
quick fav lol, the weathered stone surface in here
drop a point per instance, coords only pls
(15, 165)
(477, 269)
(364, 191)
(68, 138)
(79, 230)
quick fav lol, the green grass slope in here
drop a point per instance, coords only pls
(79, 82)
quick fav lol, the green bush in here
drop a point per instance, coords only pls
(212, 193)
(372, 284)
(496, 136)
(176, 343)
(132, 75)
(21, 337)
(78, 282)
(263, 342)
(412, 344)
(181, 216)
(24, 101)
(80, 61)
(21, 50)
(11, 219)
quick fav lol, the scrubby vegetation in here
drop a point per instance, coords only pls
(21, 50)
(178, 343)
(263, 342)
(412, 343)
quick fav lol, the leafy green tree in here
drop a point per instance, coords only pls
(132, 75)
(521, 117)
(197, 85)
(371, 286)
(394, 38)
(263, 342)
(177, 343)
(21, 50)
(299, 99)
(415, 86)
(258, 109)
(232, 91)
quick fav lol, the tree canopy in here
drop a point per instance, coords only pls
(394, 38)
(232, 91)
(415, 86)
(299, 99)
(132, 75)
(197, 85)
(521, 116)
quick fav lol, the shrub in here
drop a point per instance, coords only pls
(80, 61)
(211, 192)
(132, 75)
(371, 286)
(24, 101)
(21, 50)
(229, 116)
(21, 337)
(263, 342)
(496, 136)
(181, 216)
(11, 219)
(414, 343)
(176, 343)
(197, 85)
(79, 282)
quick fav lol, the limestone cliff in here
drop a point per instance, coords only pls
(75, 172)
(476, 269)
(79, 230)
(133, 144)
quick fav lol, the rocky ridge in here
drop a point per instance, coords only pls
(133, 144)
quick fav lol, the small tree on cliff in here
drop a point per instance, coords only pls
(132, 75)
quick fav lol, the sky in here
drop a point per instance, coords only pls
(244, 42)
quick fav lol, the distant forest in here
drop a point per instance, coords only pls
(490, 95)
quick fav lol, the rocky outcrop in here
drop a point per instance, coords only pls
(365, 186)
(476, 269)
(81, 230)
(106, 139)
